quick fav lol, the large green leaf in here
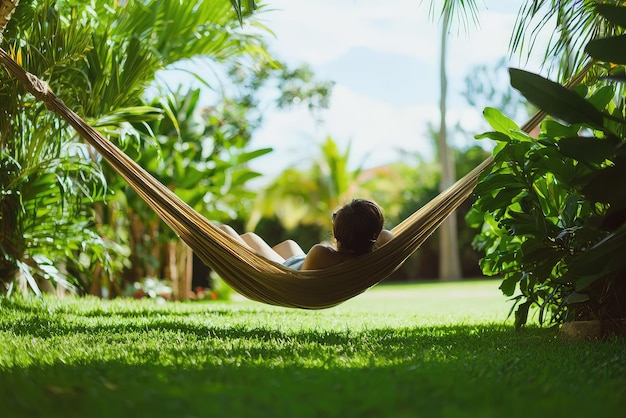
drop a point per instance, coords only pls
(502, 199)
(496, 136)
(587, 149)
(604, 257)
(602, 97)
(555, 99)
(611, 49)
(509, 284)
(247, 156)
(241, 177)
(521, 314)
(497, 181)
(614, 14)
(554, 129)
(498, 121)
(608, 185)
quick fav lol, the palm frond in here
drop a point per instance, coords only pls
(241, 7)
(568, 24)
(463, 12)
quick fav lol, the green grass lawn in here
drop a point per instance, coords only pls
(420, 350)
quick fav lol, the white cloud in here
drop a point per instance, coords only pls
(317, 32)
(376, 130)
(378, 127)
(322, 32)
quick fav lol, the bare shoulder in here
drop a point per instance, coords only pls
(384, 237)
(320, 256)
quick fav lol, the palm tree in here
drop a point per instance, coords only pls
(571, 24)
(449, 260)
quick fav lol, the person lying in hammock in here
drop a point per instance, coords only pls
(357, 229)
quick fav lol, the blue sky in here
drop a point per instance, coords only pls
(384, 58)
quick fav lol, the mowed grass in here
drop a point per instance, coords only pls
(419, 350)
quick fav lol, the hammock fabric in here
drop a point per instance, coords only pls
(248, 273)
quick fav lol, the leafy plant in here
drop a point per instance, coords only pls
(48, 182)
(202, 154)
(553, 210)
(99, 59)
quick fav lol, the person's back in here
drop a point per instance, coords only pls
(357, 229)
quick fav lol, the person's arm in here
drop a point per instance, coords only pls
(384, 237)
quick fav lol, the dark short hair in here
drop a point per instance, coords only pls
(356, 226)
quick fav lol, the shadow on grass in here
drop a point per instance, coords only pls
(445, 371)
(116, 308)
(37, 325)
(117, 365)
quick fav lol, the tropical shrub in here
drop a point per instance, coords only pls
(201, 153)
(49, 182)
(99, 57)
(553, 210)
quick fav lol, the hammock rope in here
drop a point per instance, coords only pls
(246, 272)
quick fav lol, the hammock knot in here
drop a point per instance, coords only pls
(40, 89)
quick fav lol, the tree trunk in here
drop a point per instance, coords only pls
(449, 261)
(180, 268)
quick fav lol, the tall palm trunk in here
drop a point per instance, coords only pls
(449, 262)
